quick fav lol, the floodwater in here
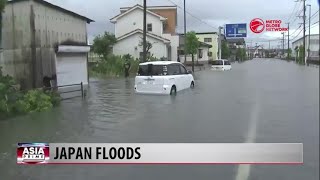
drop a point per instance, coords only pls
(265, 101)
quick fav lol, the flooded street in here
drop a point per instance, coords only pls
(265, 101)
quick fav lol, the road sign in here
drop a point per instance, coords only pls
(236, 30)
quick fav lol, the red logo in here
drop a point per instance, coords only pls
(257, 25)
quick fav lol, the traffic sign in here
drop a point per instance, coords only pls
(236, 30)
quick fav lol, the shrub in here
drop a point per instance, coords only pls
(34, 101)
(114, 66)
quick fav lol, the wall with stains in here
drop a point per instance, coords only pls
(31, 30)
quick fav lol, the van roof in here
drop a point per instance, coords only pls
(159, 63)
(220, 60)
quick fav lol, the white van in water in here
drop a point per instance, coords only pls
(221, 64)
(162, 77)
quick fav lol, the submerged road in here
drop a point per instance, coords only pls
(263, 100)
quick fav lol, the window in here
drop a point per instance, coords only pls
(207, 39)
(227, 63)
(210, 54)
(149, 27)
(180, 52)
(217, 63)
(156, 70)
(183, 70)
(173, 69)
(200, 53)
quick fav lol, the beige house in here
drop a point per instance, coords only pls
(212, 39)
(41, 39)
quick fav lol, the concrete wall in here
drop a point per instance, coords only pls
(214, 43)
(30, 32)
(314, 45)
(16, 42)
(174, 45)
(133, 21)
(171, 15)
(202, 60)
(130, 45)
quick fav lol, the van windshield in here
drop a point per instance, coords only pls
(217, 63)
(156, 70)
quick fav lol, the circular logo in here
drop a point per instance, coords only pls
(257, 25)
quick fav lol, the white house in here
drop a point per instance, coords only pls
(128, 31)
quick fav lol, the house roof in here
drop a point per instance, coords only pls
(160, 63)
(151, 8)
(56, 7)
(206, 33)
(114, 19)
(312, 35)
(141, 32)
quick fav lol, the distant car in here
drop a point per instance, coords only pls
(221, 65)
(163, 77)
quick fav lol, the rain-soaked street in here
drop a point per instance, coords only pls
(266, 101)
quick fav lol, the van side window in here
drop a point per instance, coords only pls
(227, 63)
(173, 69)
(183, 69)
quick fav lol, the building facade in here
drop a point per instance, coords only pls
(314, 46)
(32, 32)
(212, 39)
(160, 32)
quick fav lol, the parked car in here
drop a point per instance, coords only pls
(163, 77)
(221, 65)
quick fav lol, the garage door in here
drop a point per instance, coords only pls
(71, 69)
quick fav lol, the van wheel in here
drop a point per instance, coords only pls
(192, 85)
(173, 90)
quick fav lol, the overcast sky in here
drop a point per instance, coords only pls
(213, 13)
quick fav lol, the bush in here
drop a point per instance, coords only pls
(114, 66)
(14, 102)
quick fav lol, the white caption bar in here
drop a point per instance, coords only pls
(177, 153)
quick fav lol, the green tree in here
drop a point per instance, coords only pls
(289, 51)
(192, 44)
(2, 5)
(102, 44)
(241, 54)
(225, 51)
(301, 59)
(148, 47)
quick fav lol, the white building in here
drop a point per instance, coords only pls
(314, 46)
(128, 31)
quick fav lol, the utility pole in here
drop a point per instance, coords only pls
(304, 32)
(185, 31)
(144, 31)
(309, 30)
(288, 41)
(219, 42)
(283, 44)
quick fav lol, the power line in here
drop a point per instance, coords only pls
(296, 5)
(197, 18)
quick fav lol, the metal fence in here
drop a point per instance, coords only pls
(73, 88)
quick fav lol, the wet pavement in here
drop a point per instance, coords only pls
(265, 101)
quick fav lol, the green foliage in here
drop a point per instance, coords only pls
(289, 51)
(34, 101)
(114, 66)
(300, 50)
(225, 51)
(192, 44)
(241, 54)
(15, 102)
(102, 44)
(2, 5)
